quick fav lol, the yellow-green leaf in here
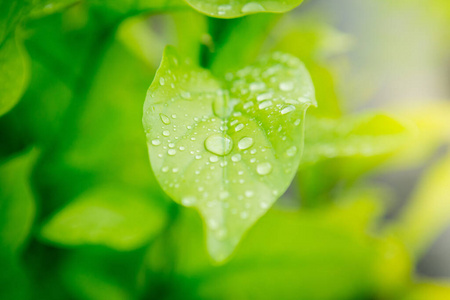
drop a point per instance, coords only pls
(238, 8)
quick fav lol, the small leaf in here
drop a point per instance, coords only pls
(228, 148)
(13, 74)
(17, 207)
(237, 8)
(360, 136)
(429, 212)
(106, 216)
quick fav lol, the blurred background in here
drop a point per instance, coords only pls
(367, 216)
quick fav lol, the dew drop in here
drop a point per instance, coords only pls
(264, 205)
(264, 168)
(156, 142)
(265, 104)
(185, 95)
(245, 143)
(236, 157)
(214, 159)
(265, 96)
(287, 109)
(257, 86)
(239, 127)
(219, 144)
(165, 119)
(286, 86)
(248, 104)
(291, 151)
(220, 105)
(165, 169)
(252, 7)
(162, 81)
(172, 152)
(249, 194)
(244, 215)
(166, 133)
(188, 200)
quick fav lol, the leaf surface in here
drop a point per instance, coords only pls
(13, 74)
(429, 212)
(229, 148)
(238, 8)
(105, 216)
(360, 136)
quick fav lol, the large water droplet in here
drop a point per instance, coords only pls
(245, 143)
(219, 144)
(172, 152)
(156, 142)
(264, 168)
(221, 107)
(165, 119)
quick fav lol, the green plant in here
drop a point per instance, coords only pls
(259, 182)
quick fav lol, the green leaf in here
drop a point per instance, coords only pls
(290, 255)
(13, 73)
(110, 216)
(237, 8)
(436, 290)
(127, 8)
(359, 136)
(100, 273)
(428, 213)
(17, 205)
(229, 148)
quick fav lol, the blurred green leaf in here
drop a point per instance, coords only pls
(13, 73)
(17, 207)
(99, 273)
(429, 290)
(428, 213)
(289, 255)
(237, 43)
(339, 151)
(237, 8)
(127, 8)
(321, 48)
(17, 212)
(206, 142)
(433, 131)
(365, 135)
(108, 216)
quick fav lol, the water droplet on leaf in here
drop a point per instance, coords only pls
(245, 143)
(264, 168)
(219, 144)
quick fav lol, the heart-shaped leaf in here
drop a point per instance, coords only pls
(237, 8)
(228, 147)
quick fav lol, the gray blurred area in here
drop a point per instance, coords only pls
(400, 56)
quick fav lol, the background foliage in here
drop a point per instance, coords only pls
(82, 215)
